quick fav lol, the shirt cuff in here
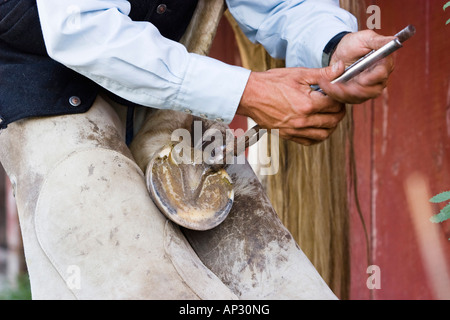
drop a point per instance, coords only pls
(211, 89)
(309, 53)
(331, 48)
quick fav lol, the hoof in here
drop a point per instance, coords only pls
(192, 195)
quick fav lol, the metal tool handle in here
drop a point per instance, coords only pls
(221, 153)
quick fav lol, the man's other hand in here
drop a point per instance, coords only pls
(370, 83)
(283, 99)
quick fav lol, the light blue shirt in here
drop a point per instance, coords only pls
(131, 59)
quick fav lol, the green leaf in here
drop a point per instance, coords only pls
(441, 216)
(444, 196)
(446, 5)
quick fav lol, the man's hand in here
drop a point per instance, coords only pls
(370, 83)
(283, 99)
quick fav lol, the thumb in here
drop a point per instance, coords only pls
(377, 41)
(316, 76)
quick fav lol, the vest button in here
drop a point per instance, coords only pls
(74, 101)
(162, 8)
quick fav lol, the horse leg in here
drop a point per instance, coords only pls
(251, 251)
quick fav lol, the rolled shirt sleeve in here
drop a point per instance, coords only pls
(97, 39)
(294, 30)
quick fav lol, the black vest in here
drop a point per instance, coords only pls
(32, 84)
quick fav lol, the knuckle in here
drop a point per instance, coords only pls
(376, 94)
(338, 106)
(324, 135)
(368, 32)
(324, 73)
(336, 121)
(308, 108)
(385, 71)
(307, 142)
(300, 123)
